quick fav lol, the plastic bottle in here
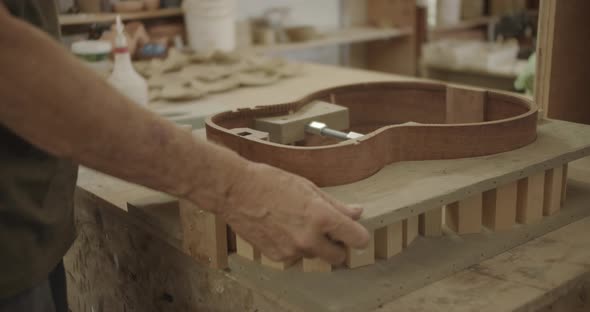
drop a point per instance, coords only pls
(124, 77)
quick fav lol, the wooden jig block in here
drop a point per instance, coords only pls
(389, 240)
(204, 235)
(553, 190)
(246, 250)
(465, 104)
(410, 230)
(499, 207)
(529, 204)
(289, 129)
(465, 216)
(360, 257)
(250, 133)
(277, 265)
(430, 223)
(316, 265)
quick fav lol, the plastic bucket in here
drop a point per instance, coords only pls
(210, 24)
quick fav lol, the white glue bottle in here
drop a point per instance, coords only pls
(124, 77)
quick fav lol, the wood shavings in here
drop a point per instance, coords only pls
(161, 80)
(290, 70)
(221, 85)
(259, 78)
(205, 72)
(179, 92)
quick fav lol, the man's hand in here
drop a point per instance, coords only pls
(288, 217)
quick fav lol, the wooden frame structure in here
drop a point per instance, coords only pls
(448, 122)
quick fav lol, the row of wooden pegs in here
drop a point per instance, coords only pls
(524, 201)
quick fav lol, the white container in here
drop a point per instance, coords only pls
(95, 54)
(210, 24)
(448, 12)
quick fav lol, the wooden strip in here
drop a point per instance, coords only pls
(465, 216)
(465, 105)
(204, 235)
(564, 184)
(246, 250)
(277, 265)
(316, 265)
(499, 207)
(430, 224)
(410, 230)
(389, 241)
(553, 190)
(529, 205)
(356, 257)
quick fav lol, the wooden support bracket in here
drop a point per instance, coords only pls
(277, 265)
(410, 230)
(430, 224)
(465, 216)
(356, 257)
(246, 250)
(389, 240)
(499, 207)
(316, 265)
(553, 190)
(204, 235)
(529, 208)
(564, 184)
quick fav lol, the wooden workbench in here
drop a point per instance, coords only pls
(121, 262)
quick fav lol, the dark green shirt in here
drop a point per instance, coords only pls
(36, 190)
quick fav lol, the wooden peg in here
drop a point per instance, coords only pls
(553, 190)
(246, 250)
(465, 216)
(356, 257)
(410, 230)
(316, 265)
(529, 204)
(204, 235)
(277, 265)
(389, 240)
(430, 223)
(499, 207)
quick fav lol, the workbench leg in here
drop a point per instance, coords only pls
(499, 207)
(204, 235)
(529, 206)
(246, 250)
(389, 240)
(465, 216)
(410, 230)
(360, 257)
(564, 184)
(553, 190)
(430, 224)
(316, 265)
(277, 265)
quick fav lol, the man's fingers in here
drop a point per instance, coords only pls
(329, 251)
(349, 232)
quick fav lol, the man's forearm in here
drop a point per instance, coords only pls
(53, 101)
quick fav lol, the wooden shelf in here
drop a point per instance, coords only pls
(344, 36)
(463, 25)
(81, 19)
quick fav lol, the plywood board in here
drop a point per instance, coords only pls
(411, 188)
